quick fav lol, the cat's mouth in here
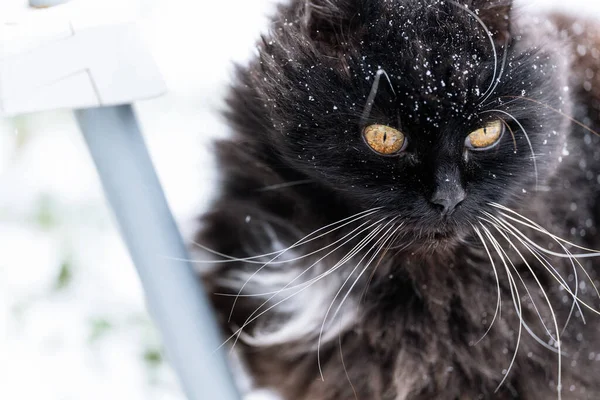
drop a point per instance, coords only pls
(442, 234)
(445, 235)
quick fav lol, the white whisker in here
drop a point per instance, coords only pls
(497, 81)
(490, 37)
(533, 157)
(252, 260)
(524, 239)
(355, 249)
(499, 301)
(383, 236)
(371, 99)
(533, 225)
(516, 301)
(504, 257)
(293, 259)
(573, 257)
(551, 309)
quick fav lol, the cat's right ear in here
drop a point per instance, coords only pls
(332, 24)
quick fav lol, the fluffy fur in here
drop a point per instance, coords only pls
(337, 276)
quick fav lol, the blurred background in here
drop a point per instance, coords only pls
(72, 319)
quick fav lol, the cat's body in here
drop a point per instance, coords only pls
(412, 324)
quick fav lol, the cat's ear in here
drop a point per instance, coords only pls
(496, 15)
(332, 24)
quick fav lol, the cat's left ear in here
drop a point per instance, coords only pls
(496, 15)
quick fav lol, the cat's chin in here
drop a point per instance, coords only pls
(438, 238)
(421, 242)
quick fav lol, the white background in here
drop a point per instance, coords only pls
(86, 335)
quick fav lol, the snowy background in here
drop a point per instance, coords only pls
(72, 318)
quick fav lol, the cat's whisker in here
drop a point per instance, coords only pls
(490, 37)
(381, 239)
(567, 254)
(253, 316)
(388, 248)
(533, 225)
(516, 300)
(363, 271)
(499, 301)
(533, 248)
(502, 252)
(533, 156)
(252, 260)
(285, 185)
(344, 364)
(509, 228)
(503, 257)
(307, 284)
(550, 307)
(386, 238)
(574, 303)
(553, 272)
(303, 256)
(371, 99)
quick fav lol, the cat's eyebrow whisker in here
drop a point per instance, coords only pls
(253, 316)
(252, 260)
(570, 118)
(499, 296)
(383, 239)
(533, 156)
(497, 81)
(371, 99)
(490, 37)
(512, 133)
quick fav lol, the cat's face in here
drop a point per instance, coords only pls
(437, 79)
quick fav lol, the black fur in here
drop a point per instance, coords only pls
(297, 162)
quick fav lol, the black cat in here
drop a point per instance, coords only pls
(410, 203)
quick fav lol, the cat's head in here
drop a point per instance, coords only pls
(430, 109)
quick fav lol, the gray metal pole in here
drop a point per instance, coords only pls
(173, 292)
(45, 3)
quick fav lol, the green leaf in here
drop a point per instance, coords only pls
(153, 357)
(65, 275)
(45, 214)
(100, 327)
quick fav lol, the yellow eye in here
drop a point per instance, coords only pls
(384, 139)
(486, 137)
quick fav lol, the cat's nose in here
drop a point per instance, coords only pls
(446, 198)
